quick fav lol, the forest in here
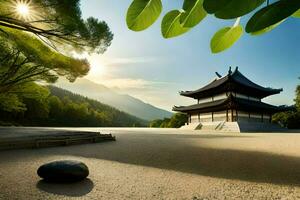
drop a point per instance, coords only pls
(176, 121)
(290, 119)
(53, 106)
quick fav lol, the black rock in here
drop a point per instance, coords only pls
(63, 171)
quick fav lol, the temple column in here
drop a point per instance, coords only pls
(226, 115)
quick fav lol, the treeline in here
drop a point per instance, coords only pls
(58, 107)
(176, 121)
(290, 119)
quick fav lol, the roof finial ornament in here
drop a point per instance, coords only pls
(218, 75)
(229, 71)
(236, 68)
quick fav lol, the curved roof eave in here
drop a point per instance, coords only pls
(237, 77)
(239, 102)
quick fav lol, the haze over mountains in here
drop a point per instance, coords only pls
(110, 97)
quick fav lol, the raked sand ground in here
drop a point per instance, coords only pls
(164, 164)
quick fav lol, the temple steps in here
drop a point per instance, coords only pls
(234, 127)
(53, 138)
(230, 127)
(191, 126)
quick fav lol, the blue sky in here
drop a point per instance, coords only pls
(147, 66)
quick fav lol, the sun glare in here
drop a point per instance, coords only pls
(22, 9)
(98, 68)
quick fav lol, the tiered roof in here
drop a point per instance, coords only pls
(230, 102)
(233, 81)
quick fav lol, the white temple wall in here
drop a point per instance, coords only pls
(209, 117)
(229, 116)
(213, 98)
(252, 117)
(267, 118)
(234, 118)
(206, 117)
(224, 96)
(220, 96)
(194, 118)
(220, 116)
(205, 100)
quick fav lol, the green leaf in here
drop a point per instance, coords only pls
(297, 14)
(212, 6)
(268, 29)
(194, 13)
(170, 26)
(225, 38)
(230, 9)
(143, 13)
(272, 14)
(237, 8)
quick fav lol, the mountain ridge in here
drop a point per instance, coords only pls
(109, 96)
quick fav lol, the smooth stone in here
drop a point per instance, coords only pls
(63, 171)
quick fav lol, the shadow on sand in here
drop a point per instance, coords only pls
(174, 152)
(77, 189)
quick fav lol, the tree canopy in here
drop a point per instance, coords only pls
(266, 16)
(290, 119)
(58, 23)
(297, 99)
(176, 121)
(38, 41)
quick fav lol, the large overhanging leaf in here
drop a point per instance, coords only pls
(212, 6)
(268, 29)
(225, 38)
(297, 14)
(194, 13)
(170, 26)
(272, 14)
(230, 9)
(142, 14)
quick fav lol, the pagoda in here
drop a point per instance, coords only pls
(231, 103)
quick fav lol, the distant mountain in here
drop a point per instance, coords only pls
(70, 109)
(110, 97)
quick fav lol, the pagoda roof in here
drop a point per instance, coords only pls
(237, 80)
(230, 102)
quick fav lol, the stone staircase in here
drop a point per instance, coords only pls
(223, 126)
(210, 126)
(234, 127)
(191, 126)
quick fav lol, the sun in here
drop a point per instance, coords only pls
(23, 9)
(98, 67)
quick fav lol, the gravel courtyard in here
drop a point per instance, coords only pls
(163, 164)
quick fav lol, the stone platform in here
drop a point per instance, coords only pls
(235, 127)
(24, 137)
